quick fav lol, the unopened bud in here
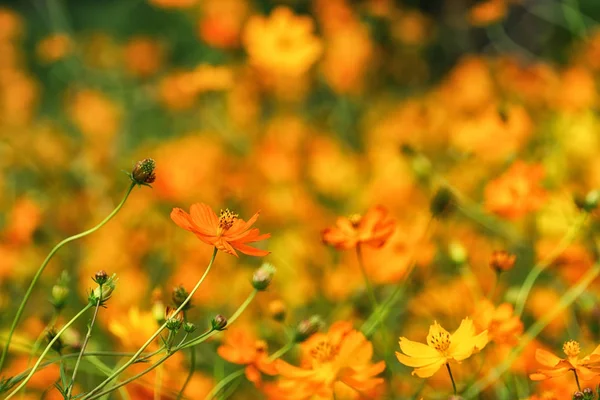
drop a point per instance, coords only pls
(262, 277)
(143, 172)
(58, 343)
(442, 203)
(457, 253)
(174, 319)
(189, 327)
(100, 277)
(307, 328)
(179, 296)
(60, 294)
(103, 292)
(588, 203)
(578, 396)
(277, 310)
(219, 322)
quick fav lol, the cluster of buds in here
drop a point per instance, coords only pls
(143, 172)
(105, 289)
(174, 319)
(586, 394)
(307, 328)
(179, 296)
(262, 277)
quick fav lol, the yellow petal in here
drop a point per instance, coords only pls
(546, 358)
(426, 372)
(418, 361)
(416, 349)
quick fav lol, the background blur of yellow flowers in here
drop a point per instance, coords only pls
(416, 163)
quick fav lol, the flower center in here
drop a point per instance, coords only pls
(226, 219)
(324, 352)
(440, 340)
(571, 348)
(355, 219)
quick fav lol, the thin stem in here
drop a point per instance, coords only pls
(47, 349)
(190, 374)
(577, 379)
(494, 287)
(84, 345)
(37, 275)
(156, 334)
(545, 263)
(451, 377)
(565, 301)
(369, 287)
(224, 382)
(279, 353)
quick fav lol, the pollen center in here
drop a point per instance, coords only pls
(440, 340)
(571, 348)
(226, 219)
(324, 352)
(355, 219)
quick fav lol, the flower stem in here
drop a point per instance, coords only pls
(545, 263)
(224, 382)
(279, 353)
(190, 374)
(577, 380)
(47, 349)
(83, 346)
(155, 335)
(37, 275)
(451, 378)
(368, 285)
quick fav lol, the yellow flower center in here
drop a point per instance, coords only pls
(355, 219)
(324, 352)
(438, 338)
(571, 348)
(226, 219)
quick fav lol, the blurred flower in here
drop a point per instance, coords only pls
(585, 368)
(221, 22)
(54, 48)
(11, 25)
(241, 347)
(502, 325)
(173, 3)
(373, 229)
(517, 192)
(502, 261)
(442, 348)
(277, 310)
(488, 12)
(227, 232)
(143, 56)
(283, 43)
(339, 360)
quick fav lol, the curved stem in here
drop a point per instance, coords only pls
(369, 287)
(224, 382)
(37, 275)
(545, 263)
(190, 373)
(279, 353)
(83, 346)
(451, 377)
(47, 349)
(156, 334)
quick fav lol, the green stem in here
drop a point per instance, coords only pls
(279, 353)
(224, 382)
(156, 334)
(47, 349)
(565, 301)
(369, 287)
(190, 374)
(83, 346)
(545, 263)
(37, 275)
(451, 377)
(577, 380)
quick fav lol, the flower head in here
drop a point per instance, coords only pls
(441, 348)
(586, 368)
(503, 326)
(227, 232)
(372, 229)
(340, 357)
(502, 261)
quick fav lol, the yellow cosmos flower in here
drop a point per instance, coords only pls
(441, 348)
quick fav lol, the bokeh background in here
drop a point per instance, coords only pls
(305, 110)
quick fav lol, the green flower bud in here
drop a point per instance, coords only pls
(143, 172)
(262, 277)
(189, 327)
(307, 328)
(219, 322)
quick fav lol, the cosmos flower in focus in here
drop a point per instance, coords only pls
(373, 229)
(441, 348)
(283, 43)
(585, 368)
(336, 364)
(226, 232)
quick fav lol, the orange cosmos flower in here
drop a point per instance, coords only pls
(585, 368)
(372, 229)
(502, 325)
(241, 347)
(441, 348)
(336, 364)
(227, 232)
(517, 192)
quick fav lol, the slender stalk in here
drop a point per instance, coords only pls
(47, 349)
(369, 287)
(190, 373)
(565, 301)
(494, 287)
(577, 380)
(84, 345)
(545, 263)
(155, 335)
(451, 377)
(37, 275)
(224, 382)
(279, 353)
